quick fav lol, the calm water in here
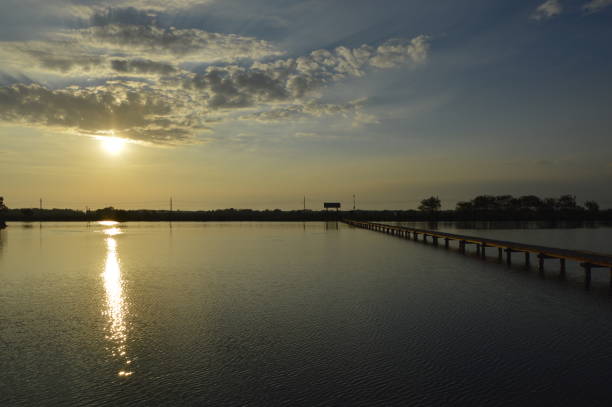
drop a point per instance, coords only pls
(289, 313)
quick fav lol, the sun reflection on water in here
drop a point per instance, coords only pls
(116, 306)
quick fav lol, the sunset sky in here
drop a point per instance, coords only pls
(256, 103)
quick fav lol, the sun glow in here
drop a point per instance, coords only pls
(112, 145)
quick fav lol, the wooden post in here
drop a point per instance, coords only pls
(416, 237)
(508, 256)
(562, 269)
(500, 254)
(541, 263)
(478, 249)
(462, 246)
(435, 240)
(446, 240)
(587, 275)
(483, 253)
(527, 259)
(424, 238)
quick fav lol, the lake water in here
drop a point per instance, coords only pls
(142, 314)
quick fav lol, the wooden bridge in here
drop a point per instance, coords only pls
(588, 260)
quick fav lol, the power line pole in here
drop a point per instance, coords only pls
(170, 204)
(40, 204)
(304, 203)
(353, 201)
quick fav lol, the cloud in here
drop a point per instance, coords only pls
(157, 5)
(301, 111)
(128, 16)
(132, 36)
(595, 6)
(64, 61)
(130, 109)
(546, 10)
(146, 93)
(142, 67)
(234, 86)
(170, 43)
(306, 135)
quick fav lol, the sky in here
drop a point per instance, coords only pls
(258, 103)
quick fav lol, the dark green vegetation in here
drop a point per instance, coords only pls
(484, 207)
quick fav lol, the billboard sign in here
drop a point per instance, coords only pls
(335, 205)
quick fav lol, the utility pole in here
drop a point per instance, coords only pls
(170, 204)
(40, 203)
(304, 203)
(353, 202)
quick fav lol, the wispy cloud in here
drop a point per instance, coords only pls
(595, 6)
(546, 10)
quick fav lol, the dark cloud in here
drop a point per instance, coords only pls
(151, 40)
(63, 63)
(8, 79)
(127, 16)
(140, 66)
(139, 113)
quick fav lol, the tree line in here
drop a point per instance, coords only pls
(526, 207)
(482, 207)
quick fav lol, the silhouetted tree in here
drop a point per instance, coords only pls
(464, 206)
(485, 202)
(504, 202)
(530, 202)
(430, 205)
(3, 211)
(567, 202)
(592, 206)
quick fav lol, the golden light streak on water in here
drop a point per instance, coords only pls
(116, 306)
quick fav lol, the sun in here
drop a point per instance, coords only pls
(112, 145)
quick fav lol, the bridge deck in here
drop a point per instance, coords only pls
(587, 258)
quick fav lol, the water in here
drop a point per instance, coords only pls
(290, 313)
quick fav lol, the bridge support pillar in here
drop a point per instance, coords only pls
(500, 254)
(446, 240)
(462, 246)
(508, 256)
(562, 268)
(587, 275)
(478, 248)
(541, 263)
(435, 240)
(527, 259)
(483, 252)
